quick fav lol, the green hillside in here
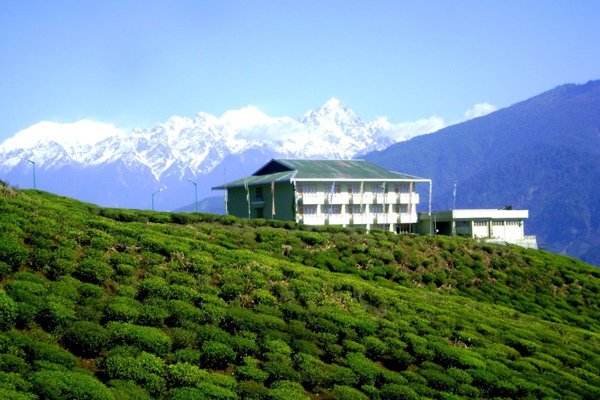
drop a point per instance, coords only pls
(120, 304)
(540, 154)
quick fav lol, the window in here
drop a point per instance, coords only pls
(260, 213)
(354, 209)
(306, 188)
(308, 209)
(401, 188)
(499, 223)
(401, 208)
(377, 188)
(354, 188)
(258, 195)
(480, 223)
(333, 209)
(377, 208)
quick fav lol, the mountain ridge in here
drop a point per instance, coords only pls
(548, 143)
(182, 148)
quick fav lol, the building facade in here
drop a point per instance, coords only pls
(491, 225)
(349, 193)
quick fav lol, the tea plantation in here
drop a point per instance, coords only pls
(100, 303)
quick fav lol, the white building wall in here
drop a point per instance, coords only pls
(480, 229)
(377, 206)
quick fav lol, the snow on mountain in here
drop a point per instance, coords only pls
(132, 164)
(330, 131)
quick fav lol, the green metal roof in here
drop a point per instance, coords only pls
(287, 170)
(340, 169)
(258, 180)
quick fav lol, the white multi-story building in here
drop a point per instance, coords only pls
(351, 193)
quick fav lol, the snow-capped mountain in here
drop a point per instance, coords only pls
(99, 163)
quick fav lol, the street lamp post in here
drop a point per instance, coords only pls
(160, 190)
(195, 194)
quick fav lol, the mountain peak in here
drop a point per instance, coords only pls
(333, 102)
(333, 111)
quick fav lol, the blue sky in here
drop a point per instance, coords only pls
(134, 63)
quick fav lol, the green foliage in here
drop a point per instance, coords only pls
(145, 338)
(8, 312)
(67, 385)
(348, 393)
(224, 308)
(183, 374)
(216, 354)
(86, 338)
(94, 270)
(123, 309)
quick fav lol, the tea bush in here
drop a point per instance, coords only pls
(139, 304)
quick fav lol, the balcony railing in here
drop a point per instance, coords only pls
(358, 198)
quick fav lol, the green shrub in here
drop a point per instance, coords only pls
(86, 338)
(375, 347)
(183, 338)
(393, 391)
(41, 351)
(153, 314)
(154, 287)
(337, 374)
(67, 288)
(191, 356)
(251, 390)
(127, 390)
(94, 270)
(68, 385)
(439, 380)
(12, 252)
(146, 338)
(143, 368)
(6, 393)
(287, 390)
(183, 374)
(186, 393)
(91, 291)
(8, 312)
(312, 371)
(123, 309)
(13, 363)
(348, 393)
(56, 315)
(216, 354)
(5, 269)
(182, 312)
(251, 371)
(367, 370)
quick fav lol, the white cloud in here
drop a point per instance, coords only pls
(405, 130)
(479, 110)
(83, 132)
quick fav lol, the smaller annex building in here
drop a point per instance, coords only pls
(498, 226)
(350, 193)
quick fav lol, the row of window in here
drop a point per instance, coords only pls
(350, 209)
(354, 188)
(485, 223)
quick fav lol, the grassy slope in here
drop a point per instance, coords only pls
(106, 304)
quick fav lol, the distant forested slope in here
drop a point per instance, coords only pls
(541, 154)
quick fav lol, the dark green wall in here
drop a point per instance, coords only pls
(237, 203)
